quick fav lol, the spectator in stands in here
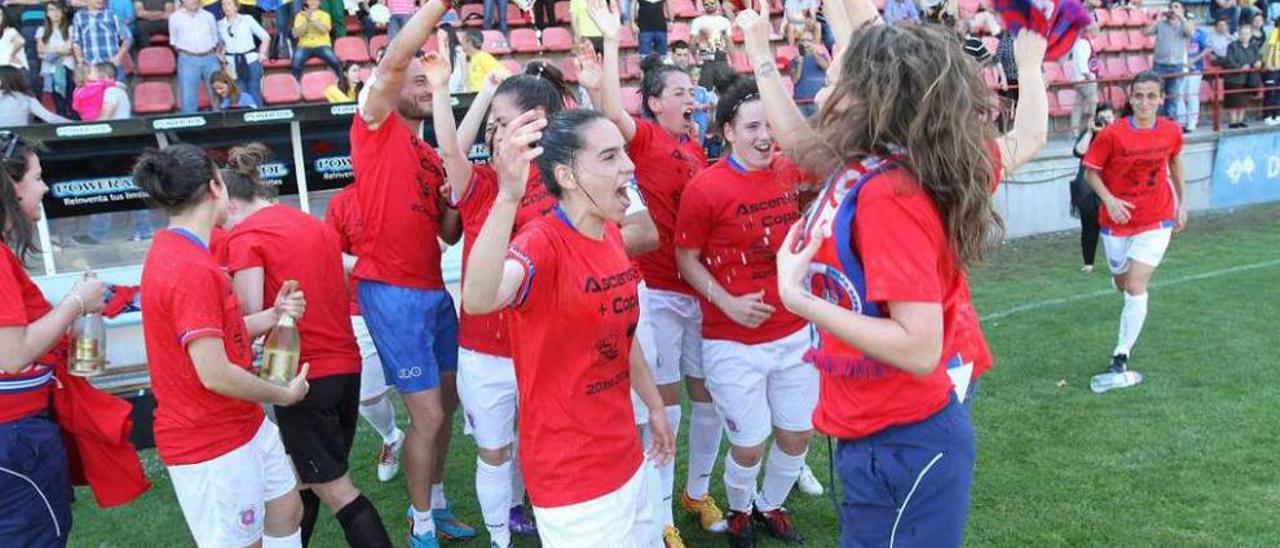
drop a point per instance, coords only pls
(1220, 39)
(153, 18)
(495, 10)
(28, 16)
(348, 86)
(1259, 25)
(583, 26)
(1241, 56)
(17, 106)
(1171, 29)
(809, 72)
(479, 62)
(124, 10)
(1084, 201)
(649, 22)
(53, 42)
(1234, 13)
(99, 36)
(312, 26)
(244, 45)
(801, 15)
(710, 31)
(1197, 51)
(1271, 75)
(102, 97)
(1008, 81)
(401, 11)
(285, 11)
(1083, 66)
(544, 15)
(973, 45)
(896, 11)
(227, 95)
(13, 52)
(193, 33)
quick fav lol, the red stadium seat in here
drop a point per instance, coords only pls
(1066, 101)
(1054, 73)
(1137, 63)
(561, 10)
(472, 15)
(159, 39)
(513, 66)
(376, 43)
(569, 66)
(631, 99)
(352, 49)
(517, 17)
(1137, 41)
(557, 39)
(314, 84)
(153, 98)
(1101, 43)
(353, 25)
(684, 9)
(280, 89)
(680, 31)
(627, 39)
(495, 43)
(1120, 17)
(787, 52)
(1114, 68)
(1103, 16)
(738, 60)
(1141, 17)
(1119, 41)
(156, 61)
(525, 41)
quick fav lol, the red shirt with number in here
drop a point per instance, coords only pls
(288, 244)
(25, 392)
(576, 314)
(888, 243)
(488, 333)
(398, 177)
(738, 219)
(343, 217)
(188, 296)
(664, 165)
(1134, 166)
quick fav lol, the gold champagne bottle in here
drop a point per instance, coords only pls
(280, 353)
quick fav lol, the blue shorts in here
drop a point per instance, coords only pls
(35, 484)
(925, 469)
(414, 330)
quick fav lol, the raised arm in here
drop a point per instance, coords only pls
(611, 105)
(384, 89)
(787, 124)
(1031, 118)
(456, 167)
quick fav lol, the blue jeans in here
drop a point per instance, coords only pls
(194, 72)
(1271, 98)
(300, 56)
(1172, 107)
(33, 56)
(653, 41)
(396, 23)
(284, 17)
(252, 83)
(496, 8)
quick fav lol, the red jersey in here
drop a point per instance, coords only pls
(1134, 166)
(288, 244)
(187, 296)
(576, 315)
(343, 216)
(398, 177)
(888, 243)
(488, 333)
(26, 392)
(737, 219)
(664, 165)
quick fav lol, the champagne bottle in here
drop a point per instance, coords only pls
(280, 353)
(88, 346)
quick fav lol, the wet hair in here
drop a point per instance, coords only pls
(16, 160)
(911, 91)
(654, 81)
(1147, 76)
(740, 93)
(473, 37)
(242, 176)
(13, 80)
(561, 140)
(176, 177)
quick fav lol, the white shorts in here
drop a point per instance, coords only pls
(487, 388)
(625, 518)
(670, 334)
(757, 387)
(224, 499)
(1147, 248)
(372, 382)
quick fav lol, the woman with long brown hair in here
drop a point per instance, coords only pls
(878, 262)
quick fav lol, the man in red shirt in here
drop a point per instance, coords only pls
(1135, 167)
(401, 291)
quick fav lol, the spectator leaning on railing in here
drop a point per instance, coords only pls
(1242, 55)
(1197, 51)
(1171, 30)
(1271, 74)
(1084, 68)
(1219, 39)
(98, 36)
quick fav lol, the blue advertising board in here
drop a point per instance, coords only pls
(1246, 170)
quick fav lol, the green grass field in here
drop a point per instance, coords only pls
(1186, 459)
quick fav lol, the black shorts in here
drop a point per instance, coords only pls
(318, 431)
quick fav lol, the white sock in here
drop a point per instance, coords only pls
(438, 502)
(704, 446)
(517, 478)
(492, 485)
(294, 540)
(779, 476)
(667, 472)
(1131, 320)
(422, 522)
(381, 415)
(739, 484)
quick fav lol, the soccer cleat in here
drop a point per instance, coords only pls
(426, 540)
(449, 528)
(706, 510)
(808, 483)
(671, 537)
(389, 458)
(739, 530)
(520, 523)
(778, 524)
(1119, 364)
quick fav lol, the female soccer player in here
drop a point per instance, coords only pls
(578, 448)
(670, 333)
(731, 222)
(228, 467)
(35, 477)
(267, 245)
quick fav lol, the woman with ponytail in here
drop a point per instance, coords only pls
(267, 245)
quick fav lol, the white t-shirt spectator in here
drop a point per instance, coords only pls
(116, 101)
(1079, 66)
